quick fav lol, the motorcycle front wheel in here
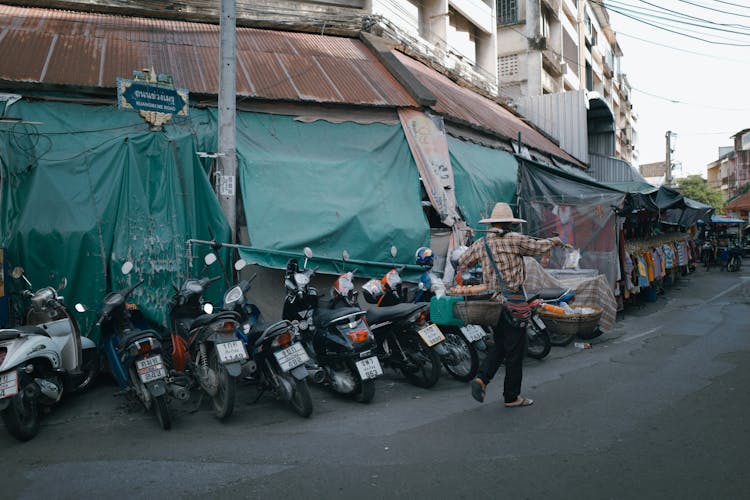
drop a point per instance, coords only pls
(462, 362)
(301, 400)
(21, 417)
(424, 363)
(538, 342)
(226, 387)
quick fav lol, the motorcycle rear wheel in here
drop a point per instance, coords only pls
(226, 387)
(162, 412)
(539, 344)
(466, 366)
(21, 417)
(301, 400)
(366, 392)
(426, 368)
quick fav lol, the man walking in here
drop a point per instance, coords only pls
(507, 252)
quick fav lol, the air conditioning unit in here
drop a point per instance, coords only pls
(563, 67)
(539, 42)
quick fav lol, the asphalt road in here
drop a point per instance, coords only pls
(655, 409)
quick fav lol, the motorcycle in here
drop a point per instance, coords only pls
(205, 349)
(41, 360)
(277, 360)
(464, 342)
(134, 353)
(335, 335)
(734, 258)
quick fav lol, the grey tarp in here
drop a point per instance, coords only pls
(580, 211)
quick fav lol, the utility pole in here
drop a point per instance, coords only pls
(668, 174)
(226, 187)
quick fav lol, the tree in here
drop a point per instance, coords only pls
(696, 188)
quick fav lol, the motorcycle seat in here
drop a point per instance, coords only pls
(32, 329)
(267, 330)
(206, 319)
(136, 335)
(391, 313)
(324, 317)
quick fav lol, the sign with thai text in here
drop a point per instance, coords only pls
(151, 97)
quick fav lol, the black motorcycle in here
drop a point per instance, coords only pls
(333, 332)
(205, 349)
(277, 359)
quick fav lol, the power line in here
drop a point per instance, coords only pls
(659, 8)
(712, 56)
(712, 9)
(733, 4)
(675, 101)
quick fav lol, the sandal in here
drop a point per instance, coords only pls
(478, 389)
(520, 402)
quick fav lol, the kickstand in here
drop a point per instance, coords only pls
(198, 406)
(260, 393)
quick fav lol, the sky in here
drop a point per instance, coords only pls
(696, 89)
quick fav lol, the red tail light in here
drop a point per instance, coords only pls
(229, 327)
(423, 317)
(359, 335)
(144, 346)
(3, 353)
(284, 339)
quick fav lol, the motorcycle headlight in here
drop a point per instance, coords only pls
(301, 279)
(233, 295)
(246, 328)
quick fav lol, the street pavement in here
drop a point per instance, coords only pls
(655, 409)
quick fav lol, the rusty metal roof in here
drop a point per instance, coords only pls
(92, 50)
(476, 110)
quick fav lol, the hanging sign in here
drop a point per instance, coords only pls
(425, 134)
(153, 96)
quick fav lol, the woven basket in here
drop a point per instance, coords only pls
(572, 324)
(478, 312)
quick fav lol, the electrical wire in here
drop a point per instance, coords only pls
(712, 56)
(712, 9)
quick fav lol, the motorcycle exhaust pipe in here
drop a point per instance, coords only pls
(178, 392)
(318, 375)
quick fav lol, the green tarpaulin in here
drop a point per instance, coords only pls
(330, 187)
(483, 177)
(91, 187)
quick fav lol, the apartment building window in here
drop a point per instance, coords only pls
(507, 11)
(589, 77)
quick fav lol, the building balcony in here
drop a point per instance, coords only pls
(554, 6)
(552, 63)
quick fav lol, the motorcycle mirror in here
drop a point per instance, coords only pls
(126, 267)
(17, 272)
(345, 255)
(62, 285)
(308, 252)
(80, 308)
(394, 251)
(209, 259)
(240, 265)
(208, 308)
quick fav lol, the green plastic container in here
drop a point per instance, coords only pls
(441, 310)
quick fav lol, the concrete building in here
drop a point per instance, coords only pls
(731, 170)
(556, 56)
(654, 173)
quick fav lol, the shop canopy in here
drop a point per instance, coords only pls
(721, 219)
(483, 177)
(86, 188)
(298, 190)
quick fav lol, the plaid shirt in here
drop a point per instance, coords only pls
(508, 251)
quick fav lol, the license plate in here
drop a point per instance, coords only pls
(473, 332)
(291, 357)
(8, 384)
(150, 369)
(369, 368)
(538, 322)
(231, 352)
(431, 335)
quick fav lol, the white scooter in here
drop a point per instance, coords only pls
(41, 360)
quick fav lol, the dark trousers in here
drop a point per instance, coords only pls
(510, 345)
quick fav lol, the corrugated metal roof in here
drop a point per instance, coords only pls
(92, 50)
(471, 108)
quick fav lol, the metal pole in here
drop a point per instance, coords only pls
(226, 187)
(668, 177)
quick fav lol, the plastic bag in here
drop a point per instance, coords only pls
(572, 256)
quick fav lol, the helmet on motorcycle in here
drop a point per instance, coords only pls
(424, 257)
(372, 291)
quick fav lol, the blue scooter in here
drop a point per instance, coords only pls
(134, 353)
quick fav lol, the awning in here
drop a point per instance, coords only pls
(720, 219)
(362, 196)
(483, 177)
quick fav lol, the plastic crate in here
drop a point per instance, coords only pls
(441, 310)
